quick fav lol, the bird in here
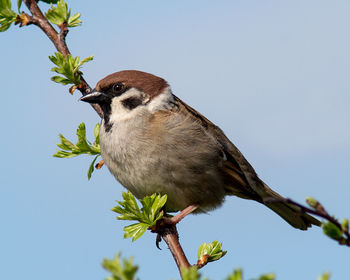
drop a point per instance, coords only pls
(153, 142)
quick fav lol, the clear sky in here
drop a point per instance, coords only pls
(274, 75)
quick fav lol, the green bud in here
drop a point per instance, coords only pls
(332, 231)
(213, 251)
(345, 225)
(311, 202)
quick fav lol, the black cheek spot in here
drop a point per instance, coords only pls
(132, 102)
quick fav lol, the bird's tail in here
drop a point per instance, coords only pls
(291, 213)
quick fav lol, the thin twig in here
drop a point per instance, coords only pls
(166, 229)
(24, 19)
(58, 39)
(202, 261)
(41, 21)
(170, 235)
(100, 164)
(63, 32)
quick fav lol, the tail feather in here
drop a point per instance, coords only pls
(291, 213)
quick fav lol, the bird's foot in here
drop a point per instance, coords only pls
(169, 223)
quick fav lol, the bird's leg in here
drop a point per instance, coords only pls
(176, 219)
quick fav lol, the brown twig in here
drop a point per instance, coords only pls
(100, 164)
(58, 39)
(63, 32)
(166, 230)
(23, 19)
(202, 261)
(171, 237)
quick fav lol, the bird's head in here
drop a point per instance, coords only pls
(120, 93)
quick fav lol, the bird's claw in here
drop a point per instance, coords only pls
(158, 240)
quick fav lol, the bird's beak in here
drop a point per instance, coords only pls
(95, 97)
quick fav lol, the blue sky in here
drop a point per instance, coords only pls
(274, 75)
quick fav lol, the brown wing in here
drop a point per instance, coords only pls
(236, 182)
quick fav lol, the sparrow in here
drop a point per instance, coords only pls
(153, 142)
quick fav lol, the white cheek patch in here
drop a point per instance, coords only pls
(162, 101)
(119, 112)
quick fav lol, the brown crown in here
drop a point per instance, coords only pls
(148, 83)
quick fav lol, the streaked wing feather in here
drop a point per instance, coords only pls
(236, 183)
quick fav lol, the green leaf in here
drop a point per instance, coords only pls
(82, 144)
(97, 134)
(332, 231)
(61, 14)
(129, 208)
(124, 270)
(147, 216)
(61, 146)
(130, 200)
(85, 60)
(19, 4)
(74, 20)
(60, 80)
(69, 67)
(236, 275)
(5, 5)
(66, 143)
(69, 150)
(135, 231)
(190, 273)
(58, 14)
(7, 16)
(125, 214)
(91, 167)
(214, 250)
(4, 25)
(151, 207)
(64, 154)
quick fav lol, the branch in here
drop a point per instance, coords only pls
(58, 39)
(40, 20)
(166, 230)
(206, 253)
(171, 237)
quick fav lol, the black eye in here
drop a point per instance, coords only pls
(118, 88)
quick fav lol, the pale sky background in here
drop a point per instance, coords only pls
(274, 75)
